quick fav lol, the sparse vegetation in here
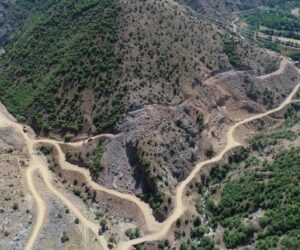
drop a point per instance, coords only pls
(15, 206)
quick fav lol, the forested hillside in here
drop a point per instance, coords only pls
(60, 53)
(13, 15)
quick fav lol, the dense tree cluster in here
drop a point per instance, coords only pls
(273, 188)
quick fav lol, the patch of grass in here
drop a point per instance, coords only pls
(64, 237)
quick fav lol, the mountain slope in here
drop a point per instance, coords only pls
(252, 201)
(79, 66)
(165, 82)
(57, 56)
(13, 15)
(162, 89)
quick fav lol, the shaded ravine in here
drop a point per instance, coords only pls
(179, 204)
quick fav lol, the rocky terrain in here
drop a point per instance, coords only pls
(155, 87)
(17, 206)
(18, 211)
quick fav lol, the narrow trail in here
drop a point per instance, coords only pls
(157, 230)
(179, 204)
(234, 26)
(88, 224)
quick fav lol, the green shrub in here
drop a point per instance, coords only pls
(15, 206)
(76, 191)
(198, 232)
(133, 233)
(64, 237)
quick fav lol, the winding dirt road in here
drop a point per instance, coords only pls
(179, 204)
(157, 230)
(36, 164)
(150, 221)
